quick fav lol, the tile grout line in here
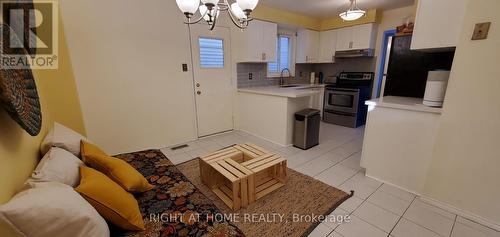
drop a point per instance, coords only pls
(401, 217)
(366, 200)
(331, 149)
(453, 226)
(338, 163)
(352, 212)
(424, 227)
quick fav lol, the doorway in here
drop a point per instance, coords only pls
(212, 79)
(384, 60)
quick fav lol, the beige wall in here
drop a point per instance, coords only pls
(19, 152)
(466, 167)
(127, 59)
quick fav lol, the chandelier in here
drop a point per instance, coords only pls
(239, 11)
(353, 13)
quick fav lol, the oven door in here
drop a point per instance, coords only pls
(342, 99)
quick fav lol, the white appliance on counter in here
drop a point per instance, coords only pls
(435, 89)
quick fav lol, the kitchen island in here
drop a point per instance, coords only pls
(268, 112)
(399, 141)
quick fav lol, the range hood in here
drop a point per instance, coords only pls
(358, 53)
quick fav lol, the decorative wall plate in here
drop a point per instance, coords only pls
(18, 93)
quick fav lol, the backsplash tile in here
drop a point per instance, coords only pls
(330, 71)
(302, 71)
(258, 71)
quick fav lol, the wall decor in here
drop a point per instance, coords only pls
(18, 93)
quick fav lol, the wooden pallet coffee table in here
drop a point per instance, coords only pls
(241, 174)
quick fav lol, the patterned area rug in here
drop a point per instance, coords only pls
(175, 207)
(302, 195)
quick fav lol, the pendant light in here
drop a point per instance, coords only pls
(353, 13)
(239, 11)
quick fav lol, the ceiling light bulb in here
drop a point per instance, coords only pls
(247, 5)
(237, 11)
(188, 6)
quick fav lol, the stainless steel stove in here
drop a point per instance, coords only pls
(345, 101)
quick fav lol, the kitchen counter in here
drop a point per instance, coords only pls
(302, 90)
(268, 112)
(405, 103)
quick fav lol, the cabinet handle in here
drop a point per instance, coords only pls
(197, 84)
(198, 92)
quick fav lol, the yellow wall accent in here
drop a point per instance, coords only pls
(337, 22)
(266, 13)
(19, 152)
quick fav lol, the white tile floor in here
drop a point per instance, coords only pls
(376, 209)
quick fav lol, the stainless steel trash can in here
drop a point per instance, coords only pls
(306, 128)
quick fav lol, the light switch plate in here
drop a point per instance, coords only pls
(481, 31)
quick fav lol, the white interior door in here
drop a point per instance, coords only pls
(212, 79)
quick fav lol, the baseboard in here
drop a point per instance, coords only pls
(466, 214)
(463, 213)
(265, 139)
(397, 186)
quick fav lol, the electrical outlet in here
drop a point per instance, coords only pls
(250, 76)
(184, 67)
(481, 31)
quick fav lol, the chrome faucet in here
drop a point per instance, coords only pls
(282, 79)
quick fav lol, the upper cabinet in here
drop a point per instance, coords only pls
(307, 46)
(356, 37)
(257, 43)
(269, 41)
(438, 24)
(327, 46)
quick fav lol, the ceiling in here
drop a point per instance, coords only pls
(331, 8)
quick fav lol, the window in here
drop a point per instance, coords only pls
(211, 53)
(284, 56)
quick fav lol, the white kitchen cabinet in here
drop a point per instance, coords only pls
(307, 46)
(438, 24)
(269, 41)
(357, 37)
(257, 43)
(364, 36)
(344, 39)
(327, 46)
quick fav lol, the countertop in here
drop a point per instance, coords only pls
(302, 90)
(405, 103)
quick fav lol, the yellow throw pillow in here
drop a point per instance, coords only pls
(109, 199)
(116, 169)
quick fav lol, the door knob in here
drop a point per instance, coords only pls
(197, 84)
(198, 92)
